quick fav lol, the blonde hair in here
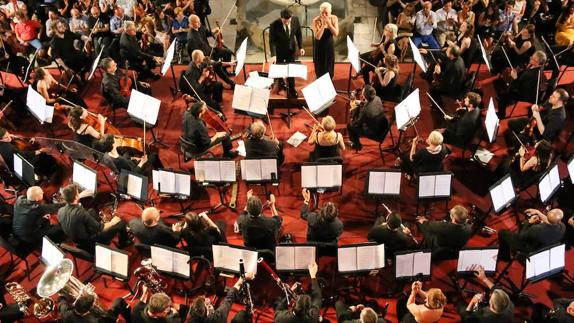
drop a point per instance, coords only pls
(435, 298)
(325, 6)
(328, 123)
(257, 129)
(435, 138)
(393, 29)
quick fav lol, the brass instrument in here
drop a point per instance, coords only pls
(108, 211)
(41, 308)
(149, 277)
(58, 279)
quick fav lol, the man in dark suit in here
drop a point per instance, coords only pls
(324, 226)
(285, 41)
(442, 234)
(111, 84)
(452, 74)
(139, 60)
(356, 314)
(195, 132)
(460, 129)
(80, 310)
(391, 232)
(370, 121)
(259, 231)
(541, 230)
(257, 146)
(29, 223)
(159, 309)
(307, 308)
(149, 229)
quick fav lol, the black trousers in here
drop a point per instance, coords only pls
(10, 313)
(225, 55)
(354, 132)
(290, 80)
(225, 143)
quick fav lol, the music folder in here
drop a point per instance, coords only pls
(84, 176)
(502, 193)
(418, 57)
(171, 261)
(251, 100)
(491, 122)
(24, 170)
(226, 258)
(143, 107)
(434, 185)
(133, 185)
(51, 253)
(383, 182)
(37, 105)
(112, 261)
(241, 54)
(413, 265)
(167, 181)
(321, 175)
(320, 94)
(360, 257)
(407, 110)
(549, 184)
(288, 70)
(471, 257)
(215, 171)
(259, 170)
(294, 257)
(545, 262)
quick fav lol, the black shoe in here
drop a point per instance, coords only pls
(231, 154)
(354, 146)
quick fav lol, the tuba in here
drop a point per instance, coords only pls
(58, 279)
(42, 308)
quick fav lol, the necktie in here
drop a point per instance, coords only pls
(287, 30)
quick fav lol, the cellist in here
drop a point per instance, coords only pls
(84, 132)
(111, 88)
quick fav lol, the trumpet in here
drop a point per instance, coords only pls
(41, 308)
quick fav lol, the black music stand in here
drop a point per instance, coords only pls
(223, 167)
(549, 184)
(178, 269)
(383, 184)
(24, 170)
(253, 172)
(133, 186)
(434, 187)
(144, 110)
(320, 178)
(105, 255)
(410, 266)
(175, 191)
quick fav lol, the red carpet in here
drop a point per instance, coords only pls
(356, 212)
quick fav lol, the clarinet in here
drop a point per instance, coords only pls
(246, 287)
(290, 295)
(402, 225)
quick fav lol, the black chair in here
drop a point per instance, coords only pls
(189, 151)
(76, 253)
(19, 249)
(381, 136)
(143, 249)
(327, 249)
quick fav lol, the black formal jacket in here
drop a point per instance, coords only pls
(284, 46)
(29, 220)
(70, 316)
(139, 315)
(318, 231)
(158, 234)
(130, 50)
(371, 120)
(524, 87)
(111, 89)
(284, 315)
(192, 74)
(445, 234)
(394, 240)
(540, 235)
(453, 76)
(194, 131)
(197, 39)
(221, 313)
(78, 224)
(460, 131)
(562, 316)
(259, 232)
(261, 148)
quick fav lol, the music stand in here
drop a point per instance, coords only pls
(413, 265)
(112, 262)
(226, 258)
(144, 108)
(84, 176)
(485, 58)
(24, 170)
(51, 253)
(251, 101)
(360, 258)
(172, 262)
(407, 113)
(175, 184)
(288, 70)
(470, 258)
(133, 185)
(491, 122)
(37, 106)
(320, 178)
(383, 183)
(549, 184)
(570, 167)
(218, 172)
(295, 258)
(434, 186)
(320, 94)
(260, 171)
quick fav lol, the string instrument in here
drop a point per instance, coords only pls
(460, 109)
(10, 43)
(24, 143)
(529, 129)
(402, 226)
(219, 36)
(215, 119)
(126, 83)
(91, 119)
(209, 65)
(354, 98)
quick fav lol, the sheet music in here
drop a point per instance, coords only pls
(426, 185)
(37, 105)
(320, 93)
(211, 169)
(329, 175)
(549, 183)
(370, 257)
(120, 263)
(491, 121)
(297, 70)
(155, 179)
(95, 64)
(557, 257)
(259, 101)
(422, 263)
(393, 183)
(404, 265)
(541, 262)
(268, 167)
(377, 182)
(252, 169)
(409, 108)
(484, 55)
(571, 169)
(417, 56)
(180, 264)
(227, 257)
(241, 97)
(278, 71)
(182, 184)
(240, 55)
(168, 58)
(134, 186)
(227, 169)
(502, 194)
(250, 260)
(50, 253)
(347, 259)
(442, 185)
(296, 139)
(144, 107)
(256, 81)
(308, 176)
(483, 257)
(304, 256)
(218, 255)
(18, 166)
(488, 259)
(162, 259)
(353, 55)
(103, 258)
(84, 176)
(199, 170)
(285, 258)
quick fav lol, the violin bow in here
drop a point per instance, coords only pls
(312, 116)
(374, 28)
(6, 107)
(537, 87)
(270, 125)
(191, 86)
(507, 59)
(438, 106)
(518, 138)
(91, 33)
(221, 26)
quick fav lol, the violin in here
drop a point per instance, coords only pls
(354, 99)
(528, 153)
(126, 83)
(215, 121)
(91, 119)
(460, 110)
(529, 129)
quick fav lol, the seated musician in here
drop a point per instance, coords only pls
(139, 60)
(111, 87)
(200, 233)
(51, 90)
(328, 143)
(428, 159)
(259, 231)
(392, 233)
(26, 30)
(463, 125)
(159, 308)
(84, 133)
(195, 132)
(385, 82)
(387, 47)
(197, 39)
(561, 312)
(324, 226)
(258, 146)
(370, 118)
(307, 307)
(80, 309)
(538, 231)
(549, 120)
(500, 308)
(150, 229)
(82, 226)
(203, 310)
(357, 314)
(73, 61)
(30, 223)
(441, 234)
(518, 50)
(524, 169)
(451, 74)
(141, 165)
(431, 311)
(522, 86)
(201, 81)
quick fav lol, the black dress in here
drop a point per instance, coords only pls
(324, 54)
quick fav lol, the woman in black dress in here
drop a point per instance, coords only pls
(325, 27)
(200, 233)
(428, 159)
(385, 82)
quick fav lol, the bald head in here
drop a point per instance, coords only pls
(34, 193)
(194, 22)
(150, 216)
(555, 216)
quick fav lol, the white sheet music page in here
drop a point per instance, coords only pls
(571, 169)
(212, 171)
(285, 258)
(168, 58)
(134, 187)
(407, 109)
(18, 165)
(36, 103)
(347, 259)
(240, 56)
(557, 257)
(367, 257)
(497, 196)
(417, 56)
(297, 70)
(545, 188)
(218, 255)
(144, 107)
(312, 96)
(308, 176)
(304, 256)
(554, 176)
(241, 97)
(260, 101)
(488, 259)
(252, 169)
(426, 185)
(199, 170)
(180, 264)
(404, 265)
(250, 260)
(393, 183)
(183, 184)
(353, 55)
(442, 185)
(231, 259)
(167, 182)
(541, 262)
(484, 55)
(296, 139)
(422, 264)
(329, 175)
(50, 253)
(268, 167)
(120, 263)
(103, 258)
(491, 121)
(327, 89)
(227, 169)
(376, 182)
(256, 81)
(464, 260)
(278, 71)
(162, 258)
(155, 179)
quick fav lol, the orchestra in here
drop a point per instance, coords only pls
(67, 68)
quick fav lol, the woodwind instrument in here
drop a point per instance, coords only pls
(402, 225)
(292, 293)
(246, 288)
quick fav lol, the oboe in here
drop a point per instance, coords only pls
(290, 294)
(246, 287)
(402, 225)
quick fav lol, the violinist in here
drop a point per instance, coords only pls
(387, 46)
(73, 61)
(463, 125)
(328, 143)
(111, 88)
(48, 88)
(258, 146)
(200, 75)
(141, 61)
(84, 133)
(141, 165)
(370, 120)
(523, 167)
(449, 75)
(385, 82)
(10, 144)
(428, 159)
(546, 121)
(195, 131)
(518, 50)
